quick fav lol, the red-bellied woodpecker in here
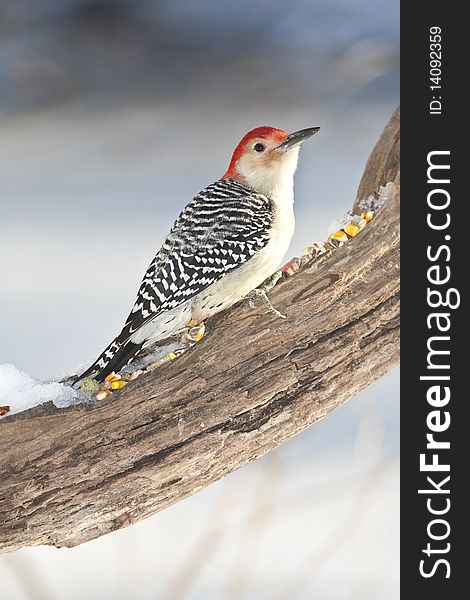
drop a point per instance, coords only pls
(224, 244)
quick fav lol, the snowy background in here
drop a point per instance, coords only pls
(113, 114)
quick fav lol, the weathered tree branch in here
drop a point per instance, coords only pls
(383, 164)
(70, 475)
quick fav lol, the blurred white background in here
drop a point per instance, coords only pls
(113, 114)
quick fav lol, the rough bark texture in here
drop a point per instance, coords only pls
(385, 154)
(70, 475)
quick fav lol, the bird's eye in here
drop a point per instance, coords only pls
(259, 147)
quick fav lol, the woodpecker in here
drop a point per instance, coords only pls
(224, 244)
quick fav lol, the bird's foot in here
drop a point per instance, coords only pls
(271, 281)
(193, 334)
(261, 293)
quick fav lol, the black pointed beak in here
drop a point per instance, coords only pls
(296, 138)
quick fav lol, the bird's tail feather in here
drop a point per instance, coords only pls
(113, 358)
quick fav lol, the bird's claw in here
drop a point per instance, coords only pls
(193, 334)
(261, 294)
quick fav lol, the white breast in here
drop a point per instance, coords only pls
(239, 282)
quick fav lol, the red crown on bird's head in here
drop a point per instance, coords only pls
(264, 132)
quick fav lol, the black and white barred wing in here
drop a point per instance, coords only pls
(218, 231)
(221, 229)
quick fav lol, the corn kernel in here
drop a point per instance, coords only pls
(361, 223)
(368, 216)
(117, 385)
(102, 394)
(340, 236)
(351, 229)
(200, 334)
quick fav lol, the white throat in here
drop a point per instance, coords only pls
(276, 181)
